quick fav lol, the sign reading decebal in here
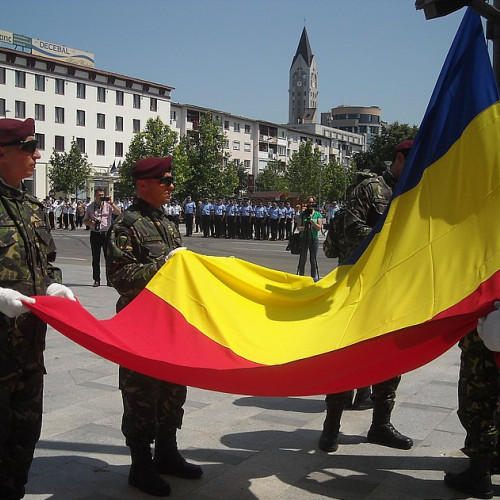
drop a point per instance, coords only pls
(62, 53)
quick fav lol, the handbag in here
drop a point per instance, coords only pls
(294, 244)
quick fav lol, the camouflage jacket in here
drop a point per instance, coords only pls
(365, 206)
(27, 250)
(140, 239)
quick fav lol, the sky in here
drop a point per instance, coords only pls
(235, 55)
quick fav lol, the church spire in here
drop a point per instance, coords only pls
(304, 49)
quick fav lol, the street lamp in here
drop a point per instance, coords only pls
(440, 8)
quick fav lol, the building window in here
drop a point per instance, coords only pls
(119, 98)
(2, 107)
(119, 124)
(2, 76)
(59, 115)
(100, 150)
(101, 94)
(247, 129)
(101, 120)
(248, 146)
(137, 101)
(236, 145)
(246, 164)
(80, 90)
(153, 104)
(39, 112)
(59, 86)
(80, 117)
(173, 115)
(21, 79)
(59, 143)
(119, 149)
(236, 127)
(80, 141)
(41, 141)
(40, 83)
(226, 125)
(20, 109)
(136, 126)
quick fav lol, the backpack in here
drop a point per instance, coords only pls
(294, 244)
(336, 243)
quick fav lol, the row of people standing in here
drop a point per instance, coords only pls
(241, 219)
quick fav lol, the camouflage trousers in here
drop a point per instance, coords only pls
(384, 391)
(150, 407)
(21, 393)
(478, 397)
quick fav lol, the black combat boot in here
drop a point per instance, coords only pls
(363, 399)
(382, 431)
(143, 474)
(474, 481)
(168, 460)
(329, 439)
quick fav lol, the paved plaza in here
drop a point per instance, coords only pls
(249, 447)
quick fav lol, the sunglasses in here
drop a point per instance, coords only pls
(166, 181)
(29, 146)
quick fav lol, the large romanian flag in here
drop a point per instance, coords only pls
(410, 292)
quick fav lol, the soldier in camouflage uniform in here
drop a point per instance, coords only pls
(367, 203)
(26, 253)
(478, 399)
(141, 239)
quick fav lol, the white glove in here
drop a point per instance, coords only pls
(11, 302)
(58, 290)
(488, 329)
(169, 256)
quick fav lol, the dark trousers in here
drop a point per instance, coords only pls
(97, 243)
(205, 225)
(219, 226)
(274, 228)
(52, 220)
(150, 406)
(189, 224)
(245, 227)
(72, 221)
(231, 226)
(259, 228)
(281, 229)
(384, 391)
(20, 424)
(478, 397)
(288, 228)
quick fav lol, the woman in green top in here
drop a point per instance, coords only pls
(310, 223)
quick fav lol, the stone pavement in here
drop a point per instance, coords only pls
(249, 447)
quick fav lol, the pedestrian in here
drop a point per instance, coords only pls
(80, 212)
(189, 208)
(26, 234)
(141, 239)
(206, 215)
(309, 225)
(366, 205)
(98, 217)
(478, 403)
(197, 217)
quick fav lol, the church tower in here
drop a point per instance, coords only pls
(303, 86)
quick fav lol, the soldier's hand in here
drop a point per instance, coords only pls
(488, 329)
(170, 255)
(11, 302)
(58, 290)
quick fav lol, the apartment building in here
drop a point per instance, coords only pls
(100, 110)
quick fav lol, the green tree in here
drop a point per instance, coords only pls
(335, 179)
(382, 146)
(69, 170)
(157, 139)
(273, 178)
(303, 173)
(203, 169)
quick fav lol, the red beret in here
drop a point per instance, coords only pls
(151, 168)
(12, 131)
(404, 146)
